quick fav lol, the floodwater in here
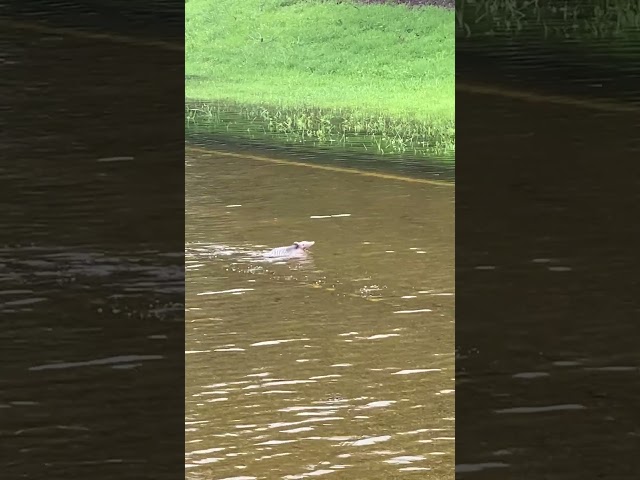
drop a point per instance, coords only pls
(546, 271)
(91, 258)
(341, 364)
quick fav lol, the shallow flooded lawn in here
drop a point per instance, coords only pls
(341, 363)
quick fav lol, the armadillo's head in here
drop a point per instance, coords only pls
(304, 245)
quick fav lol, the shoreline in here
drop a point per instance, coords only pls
(314, 126)
(332, 75)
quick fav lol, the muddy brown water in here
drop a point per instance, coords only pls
(546, 268)
(91, 256)
(342, 364)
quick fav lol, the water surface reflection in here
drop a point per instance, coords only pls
(340, 365)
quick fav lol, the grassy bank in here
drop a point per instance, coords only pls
(325, 71)
(580, 20)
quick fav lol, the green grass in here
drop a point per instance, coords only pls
(326, 71)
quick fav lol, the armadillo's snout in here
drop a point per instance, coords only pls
(306, 245)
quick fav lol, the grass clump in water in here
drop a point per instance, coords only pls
(579, 19)
(325, 71)
(382, 134)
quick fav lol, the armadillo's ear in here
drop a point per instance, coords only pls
(296, 244)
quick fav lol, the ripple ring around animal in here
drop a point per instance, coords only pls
(297, 250)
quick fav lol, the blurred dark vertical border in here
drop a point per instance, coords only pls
(92, 240)
(547, 310)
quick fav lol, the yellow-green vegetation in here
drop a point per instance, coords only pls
(324, 70)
